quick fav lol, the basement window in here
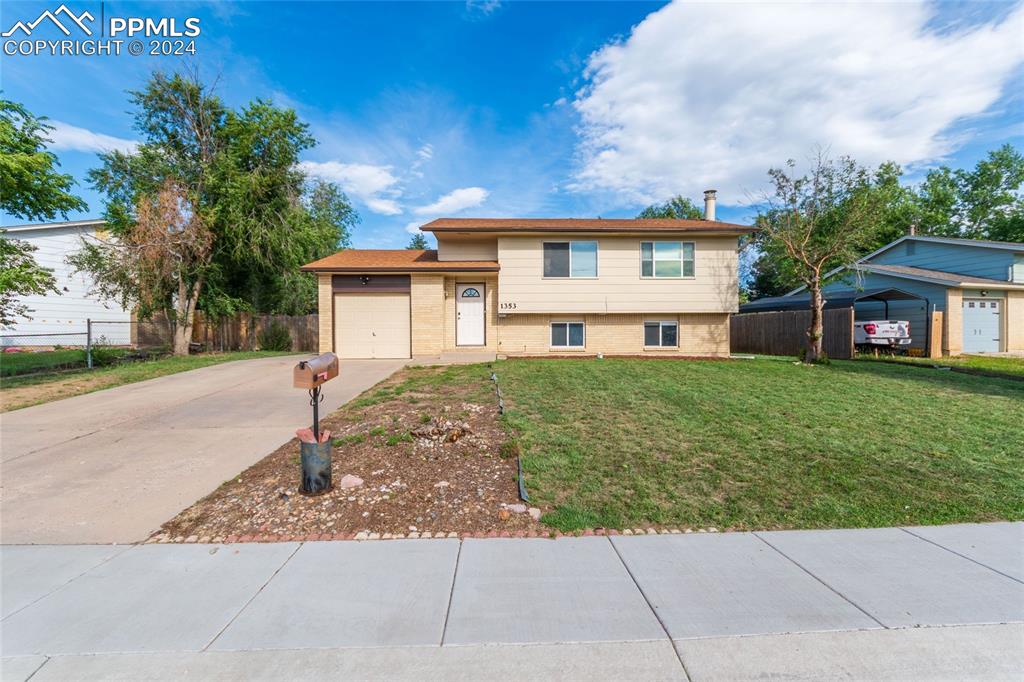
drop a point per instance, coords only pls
(661, 334)
(567, 335)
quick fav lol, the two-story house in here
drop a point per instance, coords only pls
(559, 286)
(977, 285)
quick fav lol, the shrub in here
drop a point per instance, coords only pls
(275, 336)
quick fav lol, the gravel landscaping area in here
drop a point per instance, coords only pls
(421, 453)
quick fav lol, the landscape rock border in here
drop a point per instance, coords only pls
(164, 538)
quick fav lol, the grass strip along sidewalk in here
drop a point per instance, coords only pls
(26, 390)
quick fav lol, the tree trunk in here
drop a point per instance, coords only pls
(185, 309)
(182, 338)
(816, 332)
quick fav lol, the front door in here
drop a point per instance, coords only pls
(469, 315)
(981, 325)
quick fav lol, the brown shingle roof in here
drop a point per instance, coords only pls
(394, 260)
(582, 225)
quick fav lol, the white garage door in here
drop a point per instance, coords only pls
(981, 325)
(371, 325)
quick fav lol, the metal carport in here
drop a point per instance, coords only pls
(837, 300)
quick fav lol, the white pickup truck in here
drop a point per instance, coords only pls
(875, 334)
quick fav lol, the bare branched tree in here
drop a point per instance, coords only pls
(163, 258)
(826, 216)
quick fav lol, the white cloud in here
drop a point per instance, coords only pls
(426, 152)
(67, 137)
(375, 186)
(455, 201)
(712, 95)
(383, 206)
(482, 7)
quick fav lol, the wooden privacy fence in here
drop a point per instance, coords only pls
(785, 332)
(239, 332)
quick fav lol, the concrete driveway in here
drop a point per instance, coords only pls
(111, 466)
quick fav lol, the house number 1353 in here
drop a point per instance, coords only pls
(507, 306)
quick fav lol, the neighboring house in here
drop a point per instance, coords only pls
(65, 313)
(537, 287)
(977, 285)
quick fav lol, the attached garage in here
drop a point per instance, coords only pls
(371, 316)
(982, 325)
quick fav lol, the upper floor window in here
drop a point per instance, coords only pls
(666, 259)
(570, 259)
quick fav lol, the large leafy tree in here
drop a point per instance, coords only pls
(678, 207)
(827, 216)
(985, 202)
(233, 176)
(31, 188)
(418, 241)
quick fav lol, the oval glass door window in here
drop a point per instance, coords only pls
(470, 293)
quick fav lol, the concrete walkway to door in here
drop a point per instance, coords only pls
(111, 466)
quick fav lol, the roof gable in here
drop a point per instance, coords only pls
(975, 243)
(949, 277)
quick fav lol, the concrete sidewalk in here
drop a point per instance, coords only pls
(111, 466)
(927, 603)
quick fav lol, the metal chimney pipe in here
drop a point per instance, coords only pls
(709, 204)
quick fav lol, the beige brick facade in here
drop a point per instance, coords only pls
(325, 321)
(700, 334)
(427, 304)
(433, 319)
(953, 323)
(1014, 320)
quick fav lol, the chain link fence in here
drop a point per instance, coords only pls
(101, 343)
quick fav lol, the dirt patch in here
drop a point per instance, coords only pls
(430, 452)
(17, 397)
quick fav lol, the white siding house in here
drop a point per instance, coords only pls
(67, 312)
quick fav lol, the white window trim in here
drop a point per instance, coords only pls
(654, 259)
(660, 324)
(552, 346)
(597, 258)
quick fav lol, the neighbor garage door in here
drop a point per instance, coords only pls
(371, 325)
(981, 325)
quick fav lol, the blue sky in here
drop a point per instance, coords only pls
(564, 109)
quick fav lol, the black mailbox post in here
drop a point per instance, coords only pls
(316, 455)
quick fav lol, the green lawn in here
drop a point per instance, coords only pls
(32, 389)
(763, 443)
(12, 364)
(971, 363)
